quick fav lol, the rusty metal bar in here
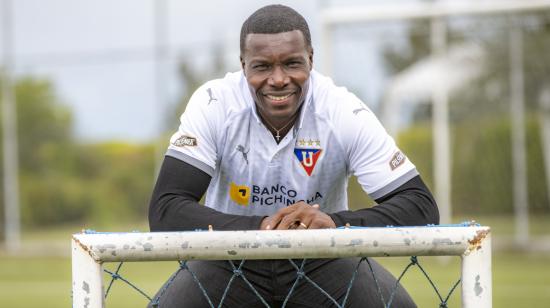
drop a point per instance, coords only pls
(91, 249)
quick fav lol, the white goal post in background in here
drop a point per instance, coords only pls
(439, 13)
(472, 243)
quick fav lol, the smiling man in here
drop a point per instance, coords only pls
(277, 68)
(273, 146)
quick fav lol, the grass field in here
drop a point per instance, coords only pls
(519, 280)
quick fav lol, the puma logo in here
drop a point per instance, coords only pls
(212, 99)
(356, 111)
(241, 149)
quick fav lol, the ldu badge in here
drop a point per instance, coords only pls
(308, 158)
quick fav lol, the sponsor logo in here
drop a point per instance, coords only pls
(279, 194)
(268, 195)
(397, 160)
(240, 194)
(271, 195)
(308, 158)
(212, 99)
(185, 141)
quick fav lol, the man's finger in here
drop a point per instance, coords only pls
(288, 220)
(317, 224)
(276, 218)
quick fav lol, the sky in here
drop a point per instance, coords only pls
(100, 56)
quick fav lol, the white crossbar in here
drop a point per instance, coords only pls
(473, 244)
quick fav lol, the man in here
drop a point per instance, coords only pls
(273, 145)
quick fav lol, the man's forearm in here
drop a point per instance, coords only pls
(412, 204)
(174, 204)
(180, 214)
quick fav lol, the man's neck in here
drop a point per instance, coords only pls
(281, 129)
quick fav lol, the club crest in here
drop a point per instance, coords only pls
(308, 158)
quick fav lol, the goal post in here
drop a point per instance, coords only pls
(473, 243)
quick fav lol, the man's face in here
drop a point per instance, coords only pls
(277, 68)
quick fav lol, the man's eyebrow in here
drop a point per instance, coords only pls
(295, 57)
(258, 60)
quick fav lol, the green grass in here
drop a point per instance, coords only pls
(46, 282)
(519, 280)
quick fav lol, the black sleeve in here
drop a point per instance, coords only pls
(411, 204)
(174, 204)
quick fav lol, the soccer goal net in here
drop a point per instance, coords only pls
(90, 250)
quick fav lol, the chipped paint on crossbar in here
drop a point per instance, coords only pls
(276, 244)
(86, 249)
(477, 242)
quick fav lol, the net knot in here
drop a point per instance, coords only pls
(300, 274)
(443, 305)
(414, 260)
(237, 272)
(183, 265)
(115, 276)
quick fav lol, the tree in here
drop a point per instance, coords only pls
(65, 181)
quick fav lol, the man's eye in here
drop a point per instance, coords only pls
(260, 67)
(294, 64)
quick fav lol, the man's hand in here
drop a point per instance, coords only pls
(298, 216)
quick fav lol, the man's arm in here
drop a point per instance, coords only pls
(174, 204)
(411, 204)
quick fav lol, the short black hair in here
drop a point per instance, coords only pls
(274, 19)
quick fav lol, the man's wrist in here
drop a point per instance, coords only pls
(263, 223)
(338, 222)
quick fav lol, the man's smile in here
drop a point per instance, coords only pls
(278, 97)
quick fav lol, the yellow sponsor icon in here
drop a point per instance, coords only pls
(239, 193)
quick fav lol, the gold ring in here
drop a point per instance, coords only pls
(303, 225)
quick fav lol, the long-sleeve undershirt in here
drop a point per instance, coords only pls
(175, 204)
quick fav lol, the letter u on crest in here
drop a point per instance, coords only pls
(307, 161)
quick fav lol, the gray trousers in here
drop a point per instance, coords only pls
(273, 280)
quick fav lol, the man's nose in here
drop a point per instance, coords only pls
(278, 78)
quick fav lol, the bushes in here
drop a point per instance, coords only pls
(111, 182)
(62, 180)
(482, 176)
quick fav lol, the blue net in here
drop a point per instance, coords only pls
(301, 277)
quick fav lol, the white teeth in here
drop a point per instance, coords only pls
(278, 98)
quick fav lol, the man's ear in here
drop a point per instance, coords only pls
(242, 62)
(311, 58)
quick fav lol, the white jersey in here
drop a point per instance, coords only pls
(335, 137)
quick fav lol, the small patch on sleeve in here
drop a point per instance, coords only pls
(185, 141)
(397, 160)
